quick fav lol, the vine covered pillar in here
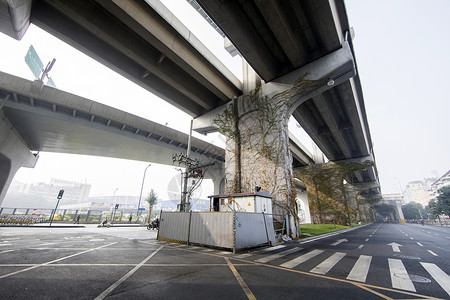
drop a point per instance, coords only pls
(257, 150)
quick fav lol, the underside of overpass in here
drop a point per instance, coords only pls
(279, 37)
(281, 40)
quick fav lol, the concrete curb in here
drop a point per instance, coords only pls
(319, 237)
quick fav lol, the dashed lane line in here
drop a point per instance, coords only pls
(432, 253)
(419, 244)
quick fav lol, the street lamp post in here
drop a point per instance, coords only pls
(181, 183)
(114, 203)
(140, 196)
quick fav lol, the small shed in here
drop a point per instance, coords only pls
(257, 202)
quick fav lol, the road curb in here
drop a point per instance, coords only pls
(319, 237)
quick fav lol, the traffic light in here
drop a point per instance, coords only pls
(61, 193)
(117, 206)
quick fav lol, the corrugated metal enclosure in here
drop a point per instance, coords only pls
(231, 230)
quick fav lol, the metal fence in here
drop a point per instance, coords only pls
(229, 230)
(66, 215)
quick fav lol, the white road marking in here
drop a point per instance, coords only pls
(441, 278)
(339, 241)
(360, 246)
(278, 255)
(46, 244)
(395, 246)
(6, 251)
(244, 255)
(360, 269)
(1, 245)
(301, 259)
(273, 248)
(125, 277)
(399, 277)
(329, 263)
(432, 253)
(411, 238)
(419, 244)
(367, 240)
(56, 260)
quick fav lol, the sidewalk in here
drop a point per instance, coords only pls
(69, 225)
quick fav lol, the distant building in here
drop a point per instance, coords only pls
(43, 195)
(444, 180)
(419, 191)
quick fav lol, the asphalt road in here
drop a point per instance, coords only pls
(387, 261)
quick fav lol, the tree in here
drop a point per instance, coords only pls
(151, 199)
(443, 200)
(411, 210)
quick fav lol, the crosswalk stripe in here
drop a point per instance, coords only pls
(360, 269)
(399, 276)
(301, 259)
(273, 248)
(245, 255)
(327, 264)
(438, 275)
(278, 255)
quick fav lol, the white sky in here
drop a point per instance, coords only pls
(402, 55)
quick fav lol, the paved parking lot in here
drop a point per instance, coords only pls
(118, 262)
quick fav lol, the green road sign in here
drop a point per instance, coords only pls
(50, 82)
(34, 62)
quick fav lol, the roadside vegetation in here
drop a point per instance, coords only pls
(310, 230)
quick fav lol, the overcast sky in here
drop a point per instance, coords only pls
(402, 56)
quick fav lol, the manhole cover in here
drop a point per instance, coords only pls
(407, 257)
(420, 279)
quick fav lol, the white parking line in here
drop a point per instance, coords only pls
(399, 277)
(329, 263)
(438, 275)
(125, 277)
(56, 260)
(360, 269)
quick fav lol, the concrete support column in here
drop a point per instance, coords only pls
(14, 154)
(217, 174)
(305, 213)
(398, 206)
(257, 151)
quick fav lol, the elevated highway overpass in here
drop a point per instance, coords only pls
(281, 40)
(52, 120)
